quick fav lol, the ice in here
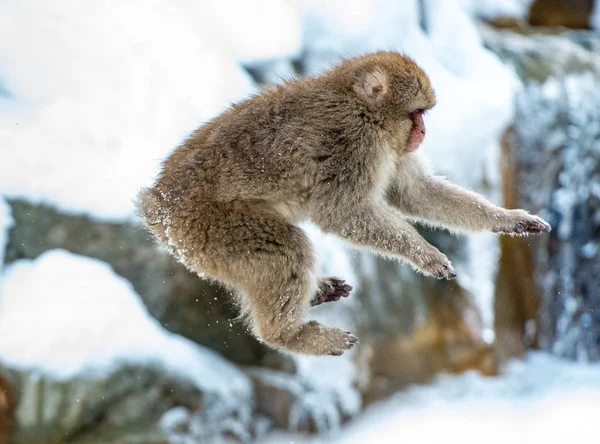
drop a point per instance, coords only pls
(595, 17)
(101, 92)
(65, 315)
(6, 222)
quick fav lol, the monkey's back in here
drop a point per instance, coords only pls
(270, 149)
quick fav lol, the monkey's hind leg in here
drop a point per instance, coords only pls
(279, 288)
(330, 289)
(271, 262)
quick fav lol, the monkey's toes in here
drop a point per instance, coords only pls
(443, 271)
(447, 272)
(330, 290)
(346, 341)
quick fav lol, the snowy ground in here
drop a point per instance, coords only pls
(539, 400)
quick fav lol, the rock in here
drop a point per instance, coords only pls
(92, 362)
(537, 57)
(554, 146)
(182, 302)
(449, 339)
(292, 404)
(567, 13)
(125, 403)
(516, 297)
(7, 406)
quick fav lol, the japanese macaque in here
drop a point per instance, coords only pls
(337, 149)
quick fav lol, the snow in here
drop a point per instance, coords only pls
(540, 399)
(101, 93)
(491, 9)
(275, 27)
(65, 315)
(6, 222)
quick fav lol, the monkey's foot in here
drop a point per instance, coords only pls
(330, 289)
(336, 341)
(437, 265)
(313, 338)
(348, 340)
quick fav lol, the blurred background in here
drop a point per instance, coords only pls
(105, 339)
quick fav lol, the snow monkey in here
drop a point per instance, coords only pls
(337, 149)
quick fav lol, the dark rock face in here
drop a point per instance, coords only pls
(412, 327)
(516, 298)
(567, 13)
(289, 402)
(7, 406)
(555, 144)
(184, 304)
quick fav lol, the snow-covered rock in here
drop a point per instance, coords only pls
(194, 308)
(68, 321)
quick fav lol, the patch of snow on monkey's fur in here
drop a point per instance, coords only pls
(66, 315)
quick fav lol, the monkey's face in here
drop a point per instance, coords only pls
(398, 92)
(410, 97)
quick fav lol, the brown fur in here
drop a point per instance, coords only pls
(329, 148)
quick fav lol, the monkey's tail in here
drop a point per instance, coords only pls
(149, 208)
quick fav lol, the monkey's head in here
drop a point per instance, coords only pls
(395, 89)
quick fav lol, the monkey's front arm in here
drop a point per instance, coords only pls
(418, 194)
(376, 226)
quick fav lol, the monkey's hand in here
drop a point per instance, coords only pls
(521, 223)
(434, 263)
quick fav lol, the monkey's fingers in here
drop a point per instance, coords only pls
(533, 225)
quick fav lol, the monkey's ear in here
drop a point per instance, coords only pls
(372, 87)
